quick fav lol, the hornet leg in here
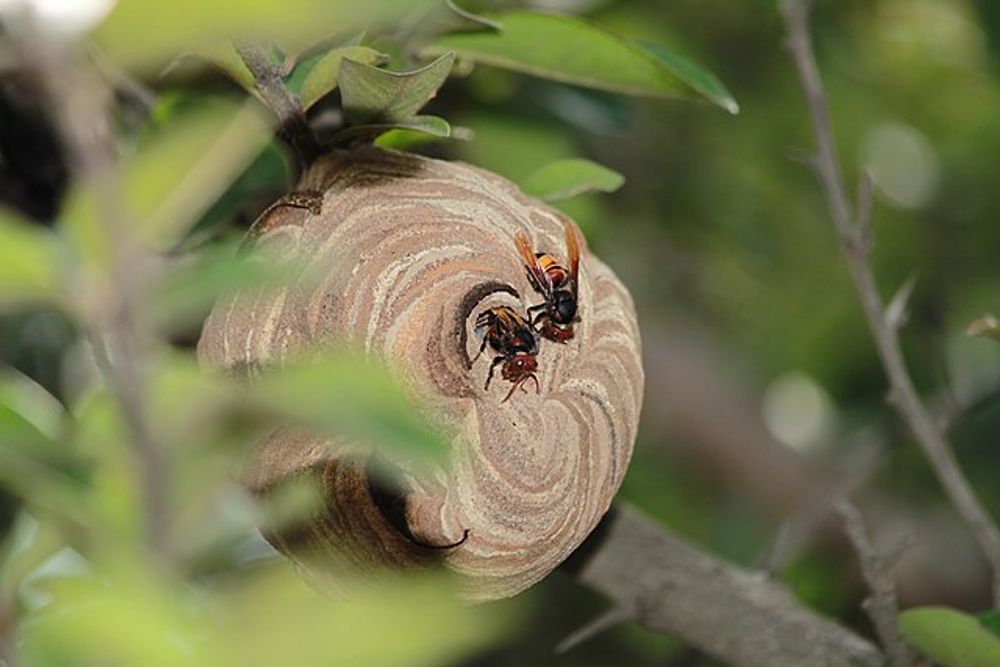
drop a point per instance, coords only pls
(481, 348)
(496, 361)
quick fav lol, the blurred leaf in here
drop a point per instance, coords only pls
(991, 621)
(950, 637)
(271, 619)
(29, 470)
(28, 544)
(322, 77)
(699, 79)
(224, 57)
(571, 50)
(593, 111)
(31, 421)
(277, 620)
(29, 262)
(986, 326)
(147, 33)
(431, 126)
(193, 283)
(267, 178)
(48, 489)
(146, 624)
(372, 96)
(169, 183)
(514, 146)
(458, 18)
(172, 182)
(183, 401)
(346, 394)
(115, 490)
(989, 13)
(33, 463)
(567, 178)
(24, 397)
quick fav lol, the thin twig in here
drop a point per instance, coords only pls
(605, 621)
(864, 204)
(882, 606)
(292, 122)
(903, 395)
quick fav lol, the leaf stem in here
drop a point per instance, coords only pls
(292, 123)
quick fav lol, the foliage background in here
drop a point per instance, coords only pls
(749, 322)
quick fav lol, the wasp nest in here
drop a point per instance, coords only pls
(410, 252)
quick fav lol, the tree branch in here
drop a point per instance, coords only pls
(741, 617)
(292, 123)
(903, 395)
(80, 99)
(882, 605)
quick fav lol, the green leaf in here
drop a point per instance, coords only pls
(372, 96)
(986, 326)
(33, 463)
(991, 621)
(268, 177)
(950, 637)
(223, 56)
(458, 18)
(149, 33)
(192, 284)
(574, 51)
(431, 126)
(699, 79)
(402, 139)
(429, 625)
(150, 626)
(29, 263)
(307, 58)
(185, 404)
(30, 402)
(28, 544)
(322, 77)
(170, 183)
(567, 178)
(346, 394)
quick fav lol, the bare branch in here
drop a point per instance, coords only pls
(864, 204)
(903, 394)
(80, 100)
(882, 605)
(738, 616)
(292, 122)
(605, 621)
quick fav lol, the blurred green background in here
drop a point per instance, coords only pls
(763, 386)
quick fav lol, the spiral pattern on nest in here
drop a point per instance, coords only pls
(410, 250)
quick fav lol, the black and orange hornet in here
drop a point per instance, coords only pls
(553, 318)
(510, 335)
